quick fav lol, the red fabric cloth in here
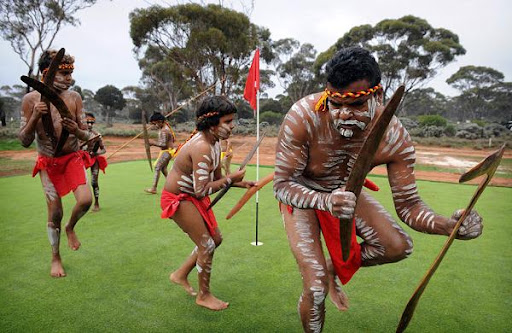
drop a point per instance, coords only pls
(330, 227)
(66, 172)
(170, 203)
(102, 162)
(252, 85)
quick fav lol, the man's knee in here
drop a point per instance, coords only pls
(56, 216)
(85, 203)
(400, 249)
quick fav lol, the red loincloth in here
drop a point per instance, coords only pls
(330, 227)
(66, 172)
(170, 202)
(102, 162)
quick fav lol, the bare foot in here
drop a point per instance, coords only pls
(57, 270)
(211, 302)
(150, 190)
(182, 282)
(73, 241)
(95, 208)
(337, 296)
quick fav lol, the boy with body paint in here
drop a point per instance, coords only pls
(196, 174)
(96, 149)
(165, 142)
(65, 172)
(317, 145)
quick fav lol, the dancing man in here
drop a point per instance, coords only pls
(165, 142)
(318, 143)
(196, 174)
(96, 149)
(63, 171)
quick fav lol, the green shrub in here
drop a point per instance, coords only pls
(271, 117)
(432, 120)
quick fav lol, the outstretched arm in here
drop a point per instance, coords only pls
(409, 206)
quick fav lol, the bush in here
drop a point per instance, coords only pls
(450, 130)
(408, 123)
(271, 117)
(432, 120)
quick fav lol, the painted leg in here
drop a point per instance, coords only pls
(191, 222)
(95, 169)
(180, 276)
(54, 206)
(83, 203)
(303, 231)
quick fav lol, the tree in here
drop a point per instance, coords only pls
(32, 25)
(425, 101)
(484, 95)
(204, 44)
(111, 99)
(409, 51)
(471, 77)
(294, 66)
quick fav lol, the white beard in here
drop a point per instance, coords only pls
(347, 133)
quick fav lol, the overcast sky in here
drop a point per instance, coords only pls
(103, 49)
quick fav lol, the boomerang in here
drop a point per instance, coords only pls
(49, 130)
(249, 193)
(363, 164)
(488, 167)
(244, 163)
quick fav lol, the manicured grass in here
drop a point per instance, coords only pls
(13, 144)
(118, 280)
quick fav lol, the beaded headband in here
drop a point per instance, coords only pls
(207, 115)
(321, 105)
(61, 67)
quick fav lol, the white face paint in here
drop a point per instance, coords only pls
(223, 131)
(62, 80)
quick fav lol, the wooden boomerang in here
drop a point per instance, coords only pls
(244, 163)
(249, 193)
(48, 80)
(55, 99)
(146, 139)
(363, 164)
(488, 167)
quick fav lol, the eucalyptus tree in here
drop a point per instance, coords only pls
(484, 94)
(30, 26)
(200, 45)
(409, 50)
(294, 66)
(112, 99)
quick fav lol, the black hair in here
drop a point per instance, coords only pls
(156, 117)
(47, 56)
(88, 114)
(352, 64)
(219, 105)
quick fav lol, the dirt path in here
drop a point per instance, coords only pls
(456, 159)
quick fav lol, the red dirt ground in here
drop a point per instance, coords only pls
(458, 159)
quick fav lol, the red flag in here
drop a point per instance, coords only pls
(252, 85)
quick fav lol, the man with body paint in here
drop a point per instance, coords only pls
(95, 148)
(165, 142)
(63, 173)
(317, 145)
(196, 174)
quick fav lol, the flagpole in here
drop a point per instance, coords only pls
(257, 162)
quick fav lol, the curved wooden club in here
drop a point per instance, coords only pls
(488, 167)
(363, 164)
(249, 193)
(48, 80)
